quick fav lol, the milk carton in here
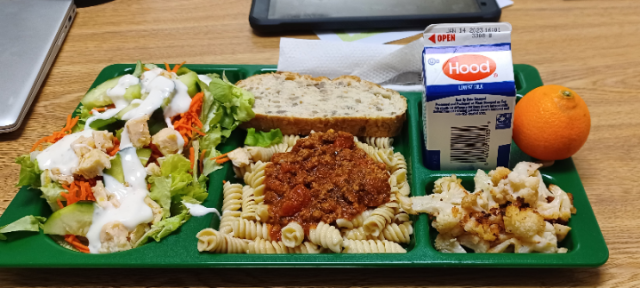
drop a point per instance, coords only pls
(469, 95)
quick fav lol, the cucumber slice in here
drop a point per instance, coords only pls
(191, 80)
(97, 97)
(126, 109)
(138, 71)
(133, 92)
(74, 219)
(143, 155)
(116, 169)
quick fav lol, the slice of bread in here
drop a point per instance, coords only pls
(298, 104)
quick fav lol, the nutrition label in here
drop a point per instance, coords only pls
(463, 106)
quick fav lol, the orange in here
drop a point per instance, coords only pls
(551, 123)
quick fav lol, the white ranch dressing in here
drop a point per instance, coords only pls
(117, 97)
(133, 211)
(180, 102)
(198, 210)
(159, 89)
(117, 93)
(60, 155)
(204, 78)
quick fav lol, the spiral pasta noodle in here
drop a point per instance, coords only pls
(214, 241)
(401, 218)
(290, 140)
(248, 204)
(247, 229)
(380, 142)
(255, 180)
(372, 246)
(326, 236)
(355, 222)
(227, 220)
(292, 234)
(264, 154)
(397, 233)
(232, 197)
(381, 155)
(262, 246)
(262, 212)
(399, 162)
(378, 219)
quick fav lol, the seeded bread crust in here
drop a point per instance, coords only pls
(360, 125)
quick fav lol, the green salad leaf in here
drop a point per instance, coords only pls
(51, 193)
(139, 69)
(161, 193)
(84, 114)
(29, 172)
(164, 228)
(26, 223)
(263, 139)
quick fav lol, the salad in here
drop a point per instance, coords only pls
(132, 165)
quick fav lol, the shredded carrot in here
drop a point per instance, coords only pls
(101, 109)
(184, 123)
(222, 160)
(224, 181)
(148, 186)
(191, 156)
(202, 160)
(59, 203)
(167, 67)
(53, 138)
(79, 190)
(116, 147)
(71, 239)
(176, 67)
(220, 156)
(146, 69)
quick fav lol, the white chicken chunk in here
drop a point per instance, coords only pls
(167, 141)
(92, 164)
(139, 131)
(103, 140)
(114, 238)
(104, 198)
(239, 157)
(83, 145)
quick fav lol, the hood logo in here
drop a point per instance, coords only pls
(470, 67)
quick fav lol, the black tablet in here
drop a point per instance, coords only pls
(290, 15)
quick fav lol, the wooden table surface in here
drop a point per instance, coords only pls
(590, 46)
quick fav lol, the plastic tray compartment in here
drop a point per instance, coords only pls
(585, 241)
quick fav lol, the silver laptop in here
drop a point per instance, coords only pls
(31, 33)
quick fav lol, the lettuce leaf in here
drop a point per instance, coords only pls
(29, 172)
(26, 223)
(164, 228)
(263, 139)
(161, 193)
(51, 192)
(84, 114)
(138, 71)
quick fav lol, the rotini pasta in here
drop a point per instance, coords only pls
(264, 154)
(262, 246)
(232, 197)
(399, 162)
(380, 142)
(290, 140)
(262, 212)
(397, 233)
(381, 155)
(248, 204)
(401, 218)
(378, 219)
(372, 246)
(214, 241)
(227, 219)
(355, 222)
(292, 234)
(326, 236)
(255, 180)
(246, 229)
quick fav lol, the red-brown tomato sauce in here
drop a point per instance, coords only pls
(325, 177)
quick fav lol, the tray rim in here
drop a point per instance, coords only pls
(527, 76)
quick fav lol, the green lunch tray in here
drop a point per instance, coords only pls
(586, 245)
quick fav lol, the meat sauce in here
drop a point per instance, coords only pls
(325, 177)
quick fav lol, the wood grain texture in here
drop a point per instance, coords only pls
(591, 46)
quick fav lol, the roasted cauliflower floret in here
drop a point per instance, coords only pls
(114, 238)
(475, 243)
(559, 208)
(524, 223)
(83, 145)
(561, 231)
(167, 141)
(138, 130)
(447, 244)
(499, 174)
(103, 140)
(92, 164)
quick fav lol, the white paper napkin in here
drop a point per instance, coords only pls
(396, 66)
